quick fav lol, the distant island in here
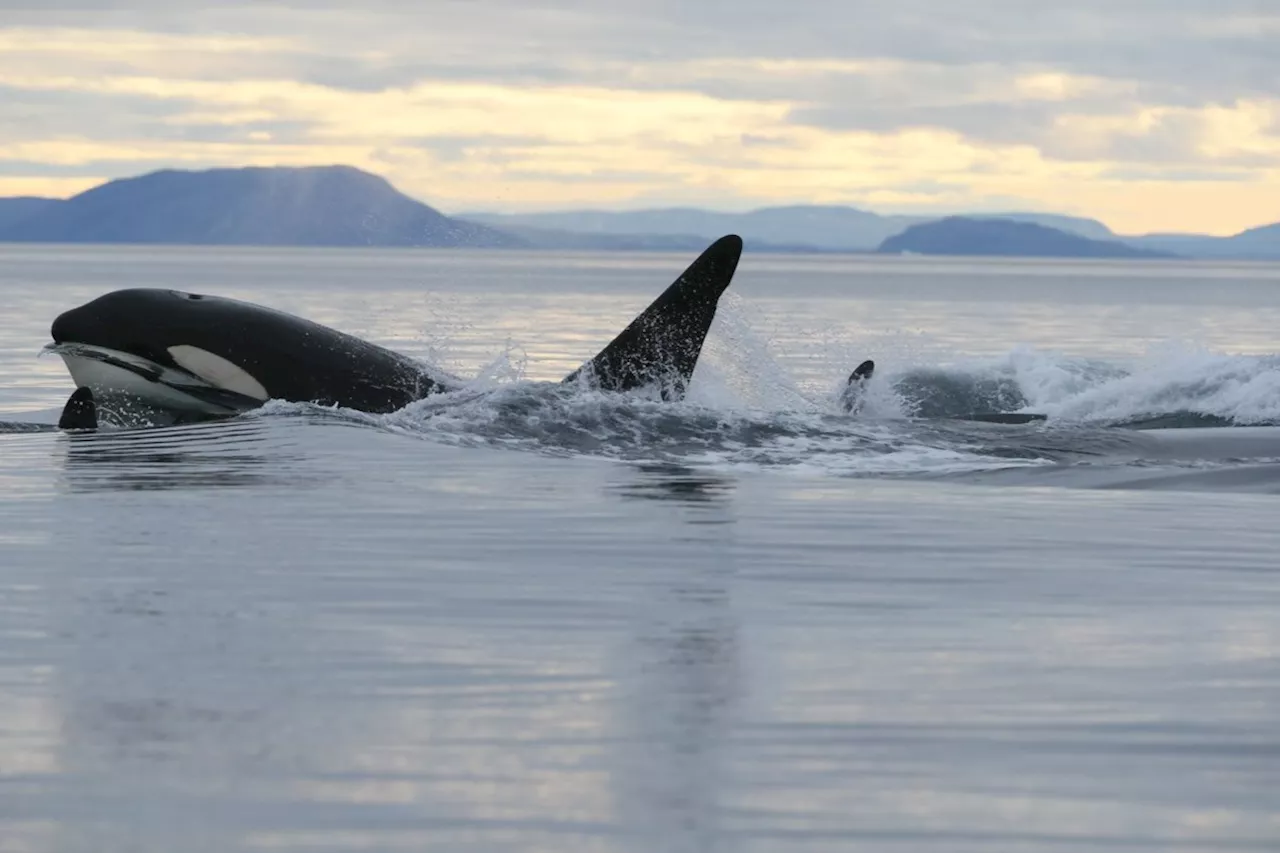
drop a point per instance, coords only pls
(1255, 244)
(835, 228)
(960, 235)
(310, 206)
(344, 206)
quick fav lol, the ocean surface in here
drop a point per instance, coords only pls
(526, 617)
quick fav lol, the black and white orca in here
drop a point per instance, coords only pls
(192, 357)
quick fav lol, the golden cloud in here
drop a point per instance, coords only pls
(467, 144)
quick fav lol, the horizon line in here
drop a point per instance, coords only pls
(91, 183)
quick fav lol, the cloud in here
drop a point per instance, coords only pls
(918, 104)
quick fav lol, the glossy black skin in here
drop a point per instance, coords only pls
(293, 358)
(662, 345)
(80, 412)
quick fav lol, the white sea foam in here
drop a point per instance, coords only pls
(1243, 389)
(746, 410)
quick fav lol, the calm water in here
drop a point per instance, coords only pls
(526, 619)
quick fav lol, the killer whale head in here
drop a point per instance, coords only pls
(210, 354)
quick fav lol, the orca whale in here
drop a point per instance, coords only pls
(851, 400)
(851, 396)
(191, 357)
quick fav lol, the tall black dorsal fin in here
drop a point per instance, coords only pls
(661, 346)
(80, 412)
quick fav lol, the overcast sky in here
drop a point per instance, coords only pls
(1152, 115)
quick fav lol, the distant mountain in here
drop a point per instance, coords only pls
(14, 210)
(824, 228)
(314, 206)
(1081, 226)
(343, 206)
(1261, 243)
(548, 238)
(831, 228)
(959, 235)
(1187, 245)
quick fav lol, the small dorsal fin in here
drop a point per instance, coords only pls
(662, 345)
(80, 412)
(851, 395)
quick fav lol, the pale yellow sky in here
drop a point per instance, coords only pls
(523, 120)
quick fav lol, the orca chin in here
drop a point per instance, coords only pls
(124, 377)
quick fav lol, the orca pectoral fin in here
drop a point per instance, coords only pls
(662, 345)
(80, 412)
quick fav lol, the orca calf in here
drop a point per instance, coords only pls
(192, 357)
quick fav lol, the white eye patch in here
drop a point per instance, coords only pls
(217, 371)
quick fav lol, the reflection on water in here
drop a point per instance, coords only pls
(238, 453)
(667, 482)
(680, 672)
